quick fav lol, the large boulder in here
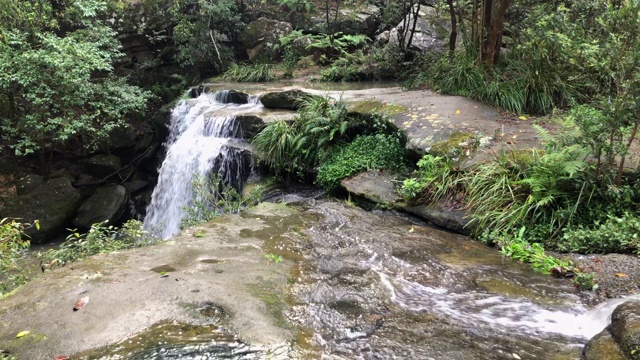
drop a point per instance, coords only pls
(102, 166)
(261, 36)
(52, 203)
(107, 204)
(443, 216)
(431, 31)
(621, 339)
(288, 100)
(28, 183)
(359, 20)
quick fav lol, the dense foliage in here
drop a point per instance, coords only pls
(57, 82)
(321, 136)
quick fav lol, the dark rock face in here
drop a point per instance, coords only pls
(28, 183)
(250, 125)
(53, 203)
(107, 204)
(360, 20)
(621, 339)
(102, 166)
(288, 100)
(261, 36)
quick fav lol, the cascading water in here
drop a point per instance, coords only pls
(204, 137)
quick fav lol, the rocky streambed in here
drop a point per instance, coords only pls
(314, 279)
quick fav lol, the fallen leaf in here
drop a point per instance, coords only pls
(621, 275)
(466, 248)
(165, 276)
(80, 303)
(411, 230)
(22, 333)
(522, 118)
(62, 357)
(457, 112)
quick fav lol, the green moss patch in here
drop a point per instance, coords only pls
(449, 145)
(373, 107)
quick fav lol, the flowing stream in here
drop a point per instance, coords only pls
(204, 137)
(379, 285)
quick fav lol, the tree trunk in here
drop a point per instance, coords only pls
(454, 29)
(494, 12)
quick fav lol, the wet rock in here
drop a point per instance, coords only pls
(53, 203)
(621, 339)
(250, 125)
(261, 36)
(431, 32)
(374, 186)
(289, 100)
(443, 216)
(137, 183)
(67, 173)
(107, 204)
(237, 97)
(236, 175)
(28, 183)
(102, 166)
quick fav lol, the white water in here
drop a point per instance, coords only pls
(491, 311)
(199, 130)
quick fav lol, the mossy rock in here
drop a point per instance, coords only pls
(53, 204)
(374, 107)
(456, 141)
(621, 339)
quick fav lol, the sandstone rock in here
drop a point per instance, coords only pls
(53, 203)
(261, 36)
(621, 339)
(290, 99)
(431, 33)
(445, 217)
(28, 183)
(107, 204)
(359, 20)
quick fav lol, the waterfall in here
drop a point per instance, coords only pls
(204, 137)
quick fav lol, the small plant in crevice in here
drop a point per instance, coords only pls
(100, 238)
(273, 258)
(585, 281)
(212, 197)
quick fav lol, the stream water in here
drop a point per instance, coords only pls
(377, 285)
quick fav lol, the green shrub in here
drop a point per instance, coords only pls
(99, 239)
(373, 152)
(13, 246)
(518, 248)
(248, 73)
(615, 234)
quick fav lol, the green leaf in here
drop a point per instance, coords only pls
(22, 333)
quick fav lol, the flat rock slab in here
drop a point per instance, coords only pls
(374, 186)
(131, 290)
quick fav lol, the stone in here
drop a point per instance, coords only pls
(289, 100)
(374, 186)
(52, 203)
(443, 216)
(108, 203)
(359, 20)
(250, 125)
(28, 183)
(102, 166)
(431, 32)
(237, 97)
(621, 339)
(261, 36)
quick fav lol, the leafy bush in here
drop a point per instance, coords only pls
(99, 239)
(248, 73)
(213, 198)
(373, 152)
(615, 234)
(517, 247)
(370, 63)
(13, 245)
